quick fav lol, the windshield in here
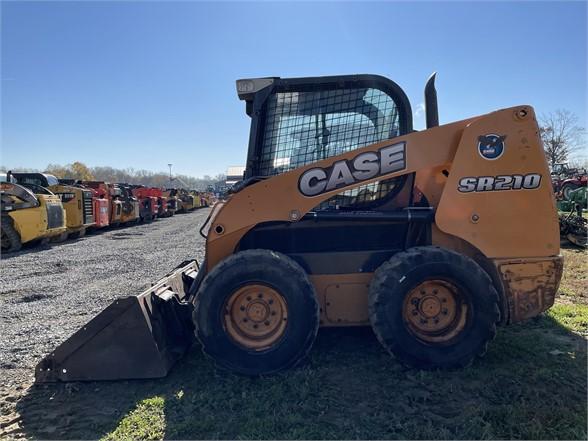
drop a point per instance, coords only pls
(305, 127)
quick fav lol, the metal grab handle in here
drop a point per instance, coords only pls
(206, 223)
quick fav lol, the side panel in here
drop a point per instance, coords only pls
(73, 203)
(343, 298)
(279, 199)
(480, 203)
(30, 223)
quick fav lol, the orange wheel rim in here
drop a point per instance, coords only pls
(255, 316)
(434, 311)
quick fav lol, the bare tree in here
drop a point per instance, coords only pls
(561, 135)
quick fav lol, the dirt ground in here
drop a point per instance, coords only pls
(47, 293)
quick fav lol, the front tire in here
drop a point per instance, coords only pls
(433, 308)
(10, 237)
(256, 313)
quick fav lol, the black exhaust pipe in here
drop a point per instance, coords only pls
(431, 110)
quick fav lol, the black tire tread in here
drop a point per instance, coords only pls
(242, 258)
(402, 262)
(13, 236)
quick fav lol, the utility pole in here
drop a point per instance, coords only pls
(170, 174)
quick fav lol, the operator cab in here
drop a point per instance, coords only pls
(299, 121)
(40, 179)
(36, 182)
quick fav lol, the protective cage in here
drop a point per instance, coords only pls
(296, 122)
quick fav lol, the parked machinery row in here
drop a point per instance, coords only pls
(40, 207)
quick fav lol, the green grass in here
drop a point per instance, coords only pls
(574, 317)
(530, 385)
(147, 421)
(574, 283)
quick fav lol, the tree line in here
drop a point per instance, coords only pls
(563, 138)
(79, 170)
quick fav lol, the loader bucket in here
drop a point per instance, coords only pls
(135, 337)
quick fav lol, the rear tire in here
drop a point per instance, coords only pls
(62, 237)
(10, 237)
(433, 308)
(256, 313)
(567, 189)
(78, 234)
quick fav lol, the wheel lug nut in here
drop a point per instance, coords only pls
(245, 320)
(414, 301)
(435, 291)
(414, 312)
(273, 312)
(445, 312)
(423, 321)
(436, 321)
(422, 291)
(255, 326)
(271, 302)
(443, 300)
(260, 295)
(267, 323)
(249, 298)
(242, 308)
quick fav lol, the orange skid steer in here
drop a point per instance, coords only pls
(347, 217)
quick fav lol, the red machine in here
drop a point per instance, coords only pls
(148, 200)
(101, 209)
(161, 202)
(107, 192)
(566, 179)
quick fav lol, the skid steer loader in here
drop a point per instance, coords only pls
(77, 202)
(28, 214)
(347, 217)
(108, 192)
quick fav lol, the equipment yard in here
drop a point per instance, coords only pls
(531, 384)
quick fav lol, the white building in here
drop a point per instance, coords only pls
(234, 174)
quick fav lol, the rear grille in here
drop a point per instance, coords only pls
(88, 207)
(54, 216)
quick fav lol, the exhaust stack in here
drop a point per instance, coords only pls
(431, 110)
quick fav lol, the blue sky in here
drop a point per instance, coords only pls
(143, 84)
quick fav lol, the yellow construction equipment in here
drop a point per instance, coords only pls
(348, 217)
(76, 201)
(28, 214)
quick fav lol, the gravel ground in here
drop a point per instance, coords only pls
(47, 293)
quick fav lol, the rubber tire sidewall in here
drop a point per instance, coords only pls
(257, 267)
(402, 274)
(12, 234)
(571, 188)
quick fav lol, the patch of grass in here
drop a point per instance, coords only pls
(573, 317)
(574, 283)
(146, 422)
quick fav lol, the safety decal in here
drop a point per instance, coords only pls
(491, 146)
(366, 165)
